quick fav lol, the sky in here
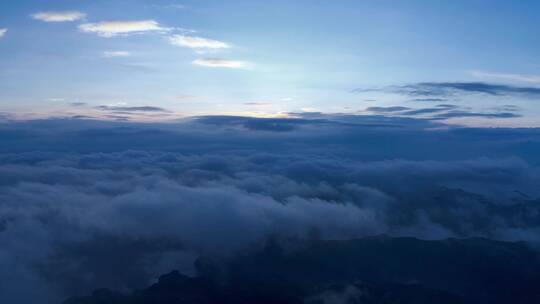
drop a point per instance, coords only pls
(137, 136)
(166, 59)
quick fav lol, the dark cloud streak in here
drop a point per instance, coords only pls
(131, 109)
(448, 89)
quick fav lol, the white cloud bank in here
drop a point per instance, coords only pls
(221, 63)
(115, 28)
(60, 16)
(3, 31)
(198, 43)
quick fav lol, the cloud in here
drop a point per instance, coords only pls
(113, 54)
(508, 108)
(534, 79)
(114, 28)
(424, 111)
(84, 211)
(445, 111)
(77, 104)
(258, 124)
(387, 109)
(59, 16)
(132, 109)
(3, 32)
(221, 63)
(258, 103)
(56, 99)
(447, 89)
(198, 43)
(462, 114)
(429, 99)
(113, 204)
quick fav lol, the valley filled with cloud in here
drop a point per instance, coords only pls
(112, 204)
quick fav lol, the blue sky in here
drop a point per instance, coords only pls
(158, 60)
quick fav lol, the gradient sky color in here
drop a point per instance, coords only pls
(167, 59)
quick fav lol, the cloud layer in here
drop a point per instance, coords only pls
(116, 204)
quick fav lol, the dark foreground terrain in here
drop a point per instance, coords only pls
(369, 270)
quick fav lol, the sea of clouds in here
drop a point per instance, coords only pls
(87, 204)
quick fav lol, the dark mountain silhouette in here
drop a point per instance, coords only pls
(370, 270)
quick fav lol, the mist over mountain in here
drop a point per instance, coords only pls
(90, 204)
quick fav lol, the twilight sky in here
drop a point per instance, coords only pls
(465, 62)
(139, 135)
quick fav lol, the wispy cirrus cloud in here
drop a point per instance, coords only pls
(221, 63)
(444, 89)
(115, 28)
(387, 109)
(534, 79)
(198, 43)
(3, 32)
(428, 111)
(59, 16)
(258, 103)
(429, 99)
(112, 54)
(445, 111)
(465, 114)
